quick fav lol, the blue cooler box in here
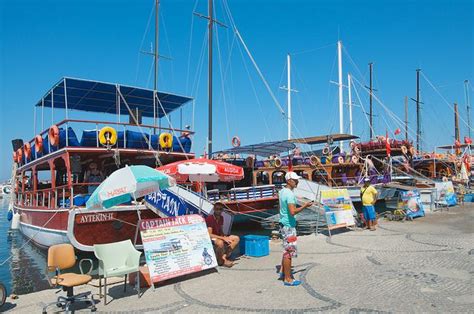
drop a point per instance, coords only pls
(254, 245)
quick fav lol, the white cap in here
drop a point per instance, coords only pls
(366, 179)
(292, 175)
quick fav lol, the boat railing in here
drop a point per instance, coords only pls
(143, 137)
(245, 193)
(58, 197)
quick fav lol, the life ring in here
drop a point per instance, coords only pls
(166, 140)
(107, 136)
(404, 149)
(412, 151)
(314, 160)
(357, 150)
(326, 150)
(53, 134)
(249, 162)
(355, 159)
(19, 155)
(340, 160)
(278, 163)
(38, 144)
(27, 149)
(235, 141)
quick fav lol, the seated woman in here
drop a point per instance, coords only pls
(223, 245)
(93, 175)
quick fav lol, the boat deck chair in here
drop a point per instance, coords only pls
(117, 259)
(60, 257)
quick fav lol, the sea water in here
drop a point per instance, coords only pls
(22, 265)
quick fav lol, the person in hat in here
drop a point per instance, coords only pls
(368, 195)
(288, 210)
(223, 245)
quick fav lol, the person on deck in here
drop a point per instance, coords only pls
(223, 245)
(368, 195)
(288, 210)
(93, 175)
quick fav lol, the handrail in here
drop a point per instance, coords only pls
(65, 121)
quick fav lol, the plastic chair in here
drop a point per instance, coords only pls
(117, 259)
(61, 256)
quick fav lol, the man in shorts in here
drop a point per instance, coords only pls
(223, 245)
(288, 210)
(368, 195)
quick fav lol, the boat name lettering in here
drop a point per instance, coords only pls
(167, 203)
(117, 191)
(98, 217)
(164, 222)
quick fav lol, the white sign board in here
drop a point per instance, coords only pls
(176, 246)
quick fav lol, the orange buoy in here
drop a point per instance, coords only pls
(38, 144)
(54, 135)
(19, 155)
(27, 149)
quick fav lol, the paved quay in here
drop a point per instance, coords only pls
(426, 265)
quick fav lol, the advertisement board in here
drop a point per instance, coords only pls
(176, 246)
(410, 201)
(338, 208)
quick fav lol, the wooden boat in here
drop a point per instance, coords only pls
(50, 191)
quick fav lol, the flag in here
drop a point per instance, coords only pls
(387, 144)
(397, 131)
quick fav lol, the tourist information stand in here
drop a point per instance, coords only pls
(176, 246)
(338, 209)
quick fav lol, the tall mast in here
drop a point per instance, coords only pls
(371, 108)
(341, 109)
(350, 102)
(157, 4)
(468, 107)
(209, 93)
(288, 59)
(406, 118)
(457, 136)
(418, 111)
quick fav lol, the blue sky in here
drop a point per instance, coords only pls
(41, 41)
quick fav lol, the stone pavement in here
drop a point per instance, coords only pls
(426, 265)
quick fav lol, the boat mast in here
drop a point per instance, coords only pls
(350, 102)
(406, 118)
(457, 136)
(209, 83)
(288, 60)
(468, 107)
(370, 97)
(155, 56)
(341, 109)
(418, 111)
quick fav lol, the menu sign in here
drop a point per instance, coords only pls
(176, 246)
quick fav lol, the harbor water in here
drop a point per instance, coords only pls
(22, 264)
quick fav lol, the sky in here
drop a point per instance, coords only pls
(42, 41)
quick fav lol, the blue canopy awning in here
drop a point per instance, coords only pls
(102, 97)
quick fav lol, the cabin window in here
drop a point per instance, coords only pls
(302, 174)
(278, 177)
(263, 178)
(320, 176)
(61, 172)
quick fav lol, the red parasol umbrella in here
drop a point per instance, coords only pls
(203, 170)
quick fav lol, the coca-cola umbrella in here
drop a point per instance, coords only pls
(203, 170)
